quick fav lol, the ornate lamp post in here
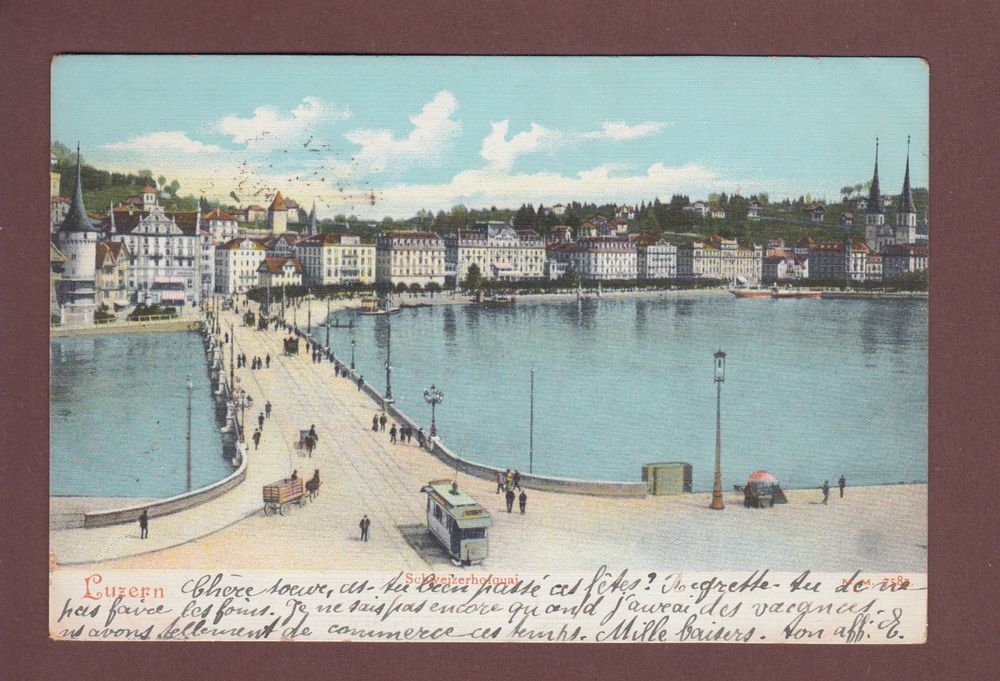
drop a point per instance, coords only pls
(720, 378)
(433, 396)
(243, 401)
(353, 343)
(189, 388)
(232, 359)
(309, 313)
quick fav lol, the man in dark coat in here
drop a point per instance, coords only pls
(842, 483)
(382, 421)
(522, 501)
(826, 491)
(510, 500)
(144, 524)
(364, 525)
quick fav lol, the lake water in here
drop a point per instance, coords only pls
(814, 388)
(118, 423)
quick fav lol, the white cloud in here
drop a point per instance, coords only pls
(501, 152)
(621, 131)
(433, 131)
(269, 127)
(171, 140)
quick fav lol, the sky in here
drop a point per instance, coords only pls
(377, 136)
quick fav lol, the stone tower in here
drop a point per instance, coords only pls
(77, 239)
(906, 212)
(277, 215)
(313, 226)
(874, 214)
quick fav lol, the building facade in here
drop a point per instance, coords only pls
(163, 247)
(277, 215)
(605, 258)
(236, 265)
(656, 259)
(723, 259)
(499, 251)
(331, 259)
(412, 257)
(111, 271)
(900, 260)
(77, 240)
(278, 272)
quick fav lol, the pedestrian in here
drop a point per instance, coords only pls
(310, 444)
(499, 482)
(267, 359)
(522, 501)
(826, 491)
(226, 337)
(364, 525)
(260, 420)
(256, 439)
(517, 479)
(361, 382)
(510, 500)
(295, 474)
(392, 434)
(382, 421)
(842, 483)
(267, 410)
(421, 438)
(144, 524)
(375, 423)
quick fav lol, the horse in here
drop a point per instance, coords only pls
(312, 485)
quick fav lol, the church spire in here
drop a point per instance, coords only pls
(906, 198)
(76, 219)
(875, 195)
(313, 227)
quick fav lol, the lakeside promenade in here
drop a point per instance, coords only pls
(872, 528)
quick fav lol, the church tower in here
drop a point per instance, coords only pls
(906, 212)
(148, 198)
(874, 214)
(77, 239)
(313, 227)
(277, 215)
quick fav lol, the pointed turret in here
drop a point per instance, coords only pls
(76, 219)
(313, 227)
(906, 198)
(875, 195)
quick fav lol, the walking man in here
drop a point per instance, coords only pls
(267, 410)
(499, 482)
(510, 500)
(267, 360)
(842, 483)
(260, 420)
(392, 434)
(826, 491)
(256, 439)
(361, 382)
(382, 421)
(144, 524)
(375, 423)
(364, 525)
(517, 479)
(522, 501)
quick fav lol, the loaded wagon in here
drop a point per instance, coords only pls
(277, 494)
(291, 346)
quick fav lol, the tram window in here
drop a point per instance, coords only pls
(474, 533)
(437, 512)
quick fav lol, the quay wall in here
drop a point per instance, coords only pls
(232, 448)
(437, 448)
(166, 326)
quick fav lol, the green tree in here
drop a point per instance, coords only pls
(173, 188)
(415, 288)
(161, 182)
(432, 288)
(473, 278)
(569, 280)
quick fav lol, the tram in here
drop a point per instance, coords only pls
(457, 522)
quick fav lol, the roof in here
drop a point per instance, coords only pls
(236, 244)
(147, 189)
(256, 207)
(328, 239)
(291, 203)
(277, 265)
(218, 214)
(874, 195)
(906, 198)
(76, 219)
(278, 203)
(411, 234)
(127, 220)
(905, 250)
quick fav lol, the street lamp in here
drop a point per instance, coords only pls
(232, 358)
(433, 396)
(720, 378)
(388, 364)
(243, 401)
(353, 343)
(189, 388)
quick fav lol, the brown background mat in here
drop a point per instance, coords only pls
(957, 39)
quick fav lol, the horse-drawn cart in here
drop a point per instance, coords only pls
(282, 492)
(291, 346)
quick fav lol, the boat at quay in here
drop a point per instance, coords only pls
(775, 293)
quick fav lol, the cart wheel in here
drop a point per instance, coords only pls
(281, 509)
(268, 510)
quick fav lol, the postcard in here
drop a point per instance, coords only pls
(509, 349)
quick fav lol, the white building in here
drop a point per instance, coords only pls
(278, 272)
(409, 257)
(754, 210)
(656, 259)
(605, 258)
(723, 259)
(330, 258)
(839, 260)
(785, 267)
(163, 247)
(236, 265)
(499, 251)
